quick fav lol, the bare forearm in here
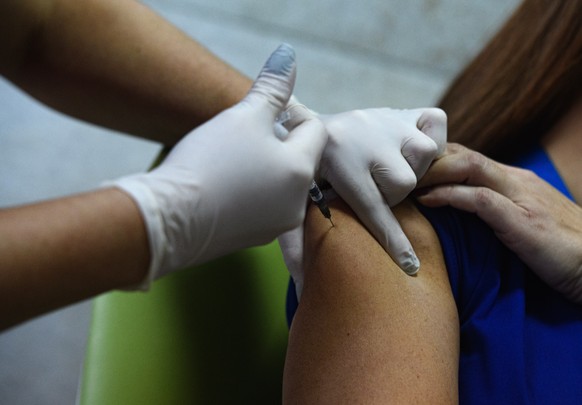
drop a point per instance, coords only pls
(56, 253)
(118, 64)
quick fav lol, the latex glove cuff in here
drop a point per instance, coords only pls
(153, 221)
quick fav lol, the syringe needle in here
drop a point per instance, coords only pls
(319, 200)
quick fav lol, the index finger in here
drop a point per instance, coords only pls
(470, 168)
(370, 207)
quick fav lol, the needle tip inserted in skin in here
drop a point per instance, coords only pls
(319, 200)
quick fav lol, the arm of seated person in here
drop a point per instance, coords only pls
(364, 331)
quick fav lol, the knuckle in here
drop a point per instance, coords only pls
(433, 123)
(436, 115)
(421, 148)
(527, 175)
(406, 184)
(394, 188)
(454, 147)
(476, 161)
(484, 197)
(419, 154)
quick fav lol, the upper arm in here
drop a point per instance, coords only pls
(21, 21)
(364, 331)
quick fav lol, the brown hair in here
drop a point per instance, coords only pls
(524, 79)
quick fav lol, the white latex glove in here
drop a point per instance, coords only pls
(231, 183)
(528, 215)
(373, 160)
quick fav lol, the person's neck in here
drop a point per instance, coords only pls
(564, 146)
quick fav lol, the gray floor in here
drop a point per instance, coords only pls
(351, 54)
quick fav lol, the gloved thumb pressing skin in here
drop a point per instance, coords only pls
(231, 183)
(373, 160)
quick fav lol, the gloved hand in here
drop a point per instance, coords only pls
(231, 183)
(528, 215)
(373, 160)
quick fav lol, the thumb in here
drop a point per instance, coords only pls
(275, 81)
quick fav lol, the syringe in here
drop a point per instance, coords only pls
(319, 200)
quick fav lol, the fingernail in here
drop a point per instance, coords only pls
(410, 265)
(281, 61)
(280, 131)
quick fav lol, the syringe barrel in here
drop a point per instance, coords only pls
(315, 193)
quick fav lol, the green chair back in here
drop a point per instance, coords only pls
(213, 334)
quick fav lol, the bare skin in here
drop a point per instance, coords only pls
(114, 63)
(564, 144)
(365, 332)
(59, 252)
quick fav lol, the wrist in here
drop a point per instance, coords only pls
(145, 200)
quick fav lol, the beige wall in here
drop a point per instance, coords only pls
(351, 53)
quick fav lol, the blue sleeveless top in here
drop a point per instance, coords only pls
(521, 342)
